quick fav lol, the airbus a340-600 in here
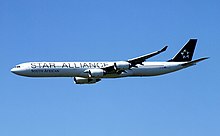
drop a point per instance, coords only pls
(92, 72)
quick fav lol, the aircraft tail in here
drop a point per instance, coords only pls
(186, 53)
(187, 64)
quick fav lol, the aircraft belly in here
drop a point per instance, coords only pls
(123, 74)
(154, 71)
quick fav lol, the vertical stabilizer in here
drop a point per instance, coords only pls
(186, 53)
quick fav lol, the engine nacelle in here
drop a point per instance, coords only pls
(95, 72)
(121, 65)
(82, 80)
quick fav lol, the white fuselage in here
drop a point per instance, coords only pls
(76, 69)
(93, 72)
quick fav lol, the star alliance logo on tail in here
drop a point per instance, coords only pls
(185, 54)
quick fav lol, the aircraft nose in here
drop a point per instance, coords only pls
(13, 70)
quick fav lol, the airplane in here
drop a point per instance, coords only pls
(93, 72)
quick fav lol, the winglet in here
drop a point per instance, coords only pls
(164, 49)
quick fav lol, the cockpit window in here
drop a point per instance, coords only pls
(18, 66)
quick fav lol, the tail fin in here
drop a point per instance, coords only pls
(186, 53)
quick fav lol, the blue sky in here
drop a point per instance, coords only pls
(178, 104)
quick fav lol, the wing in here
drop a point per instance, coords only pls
(121, 66)
(139, 60)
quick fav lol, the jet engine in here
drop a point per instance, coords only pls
(95, 72)
(82, 80)
(121, 65)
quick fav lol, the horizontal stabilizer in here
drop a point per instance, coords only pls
(194, 62)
